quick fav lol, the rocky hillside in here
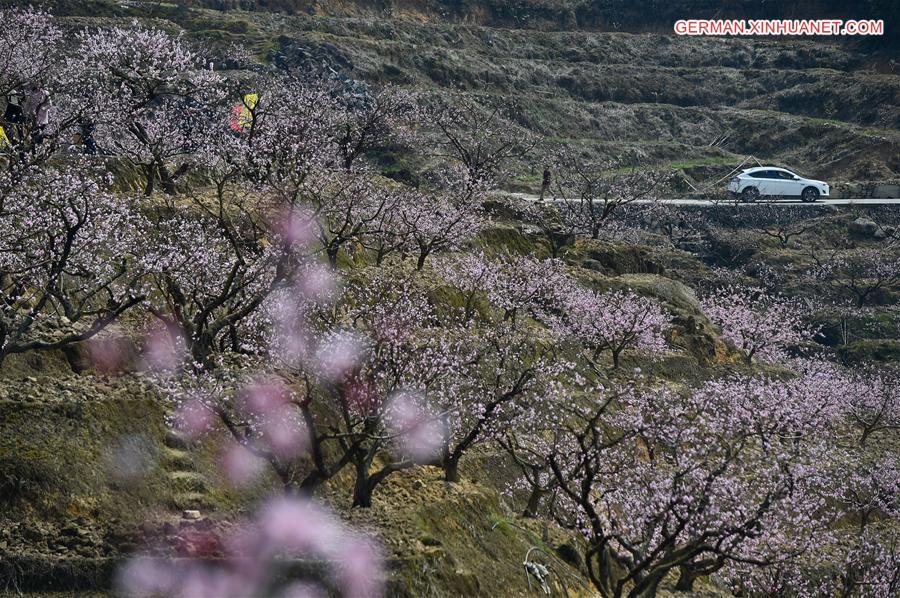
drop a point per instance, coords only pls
(696, 105)
(619, 15)
(101, 456)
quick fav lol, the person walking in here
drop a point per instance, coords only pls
(37, 107)
(13, 113)
(545, 183)
(87, 137)
(13, 117)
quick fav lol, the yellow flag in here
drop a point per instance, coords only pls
(246, 118)
(242, 114)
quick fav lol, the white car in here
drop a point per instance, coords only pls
(775, 182)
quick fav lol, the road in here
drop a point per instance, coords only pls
(706, 202)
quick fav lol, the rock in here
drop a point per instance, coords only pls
(880, 233)
(190, 514)
(594, 265)
(68, 543)
(673, 292)
(570, 554)
(863, 226)
(562, 238)
(204, 524)
(34, 534)
(531, 230)
(621, 258)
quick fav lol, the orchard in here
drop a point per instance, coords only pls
(225, 230)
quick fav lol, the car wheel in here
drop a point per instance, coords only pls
(810, 194)
(750, 194)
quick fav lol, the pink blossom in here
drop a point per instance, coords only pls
(109, 354)
(162, 351)
(419, 434)
(240, 466)
(298, 527)
(613, 321)
(284, 433)
(265, 395)
(296, 228)
(195, 418)
(360, 571)
(758, 323)
(339, 355)
(146, 576)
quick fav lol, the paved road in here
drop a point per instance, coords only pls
(706, 202)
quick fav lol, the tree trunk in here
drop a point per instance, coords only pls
(309, 484)
(686, 579)
(534, 502)
(201, 350)
(451, 469)
(362, 489)
(867, 431)
(420, 263)
(167, 180)
(602, 572)
(331, 251)
(151, 176)
(646, 588)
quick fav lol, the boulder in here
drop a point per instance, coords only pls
(863, 226)
(670, 291)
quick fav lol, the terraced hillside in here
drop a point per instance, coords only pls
(268, 321)
(701, 105)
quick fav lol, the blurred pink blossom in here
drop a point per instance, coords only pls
(303, 590)
(162, 349)
(240, 466)
(194, 418)
(338, 356)
(317, 282)
(419, 433)
(145, 576)
(359, 571)
(265, 395)
(297, 527)
(296, 228)
(131, 458)
(108, 355)
(285, 433)
(284, 528)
